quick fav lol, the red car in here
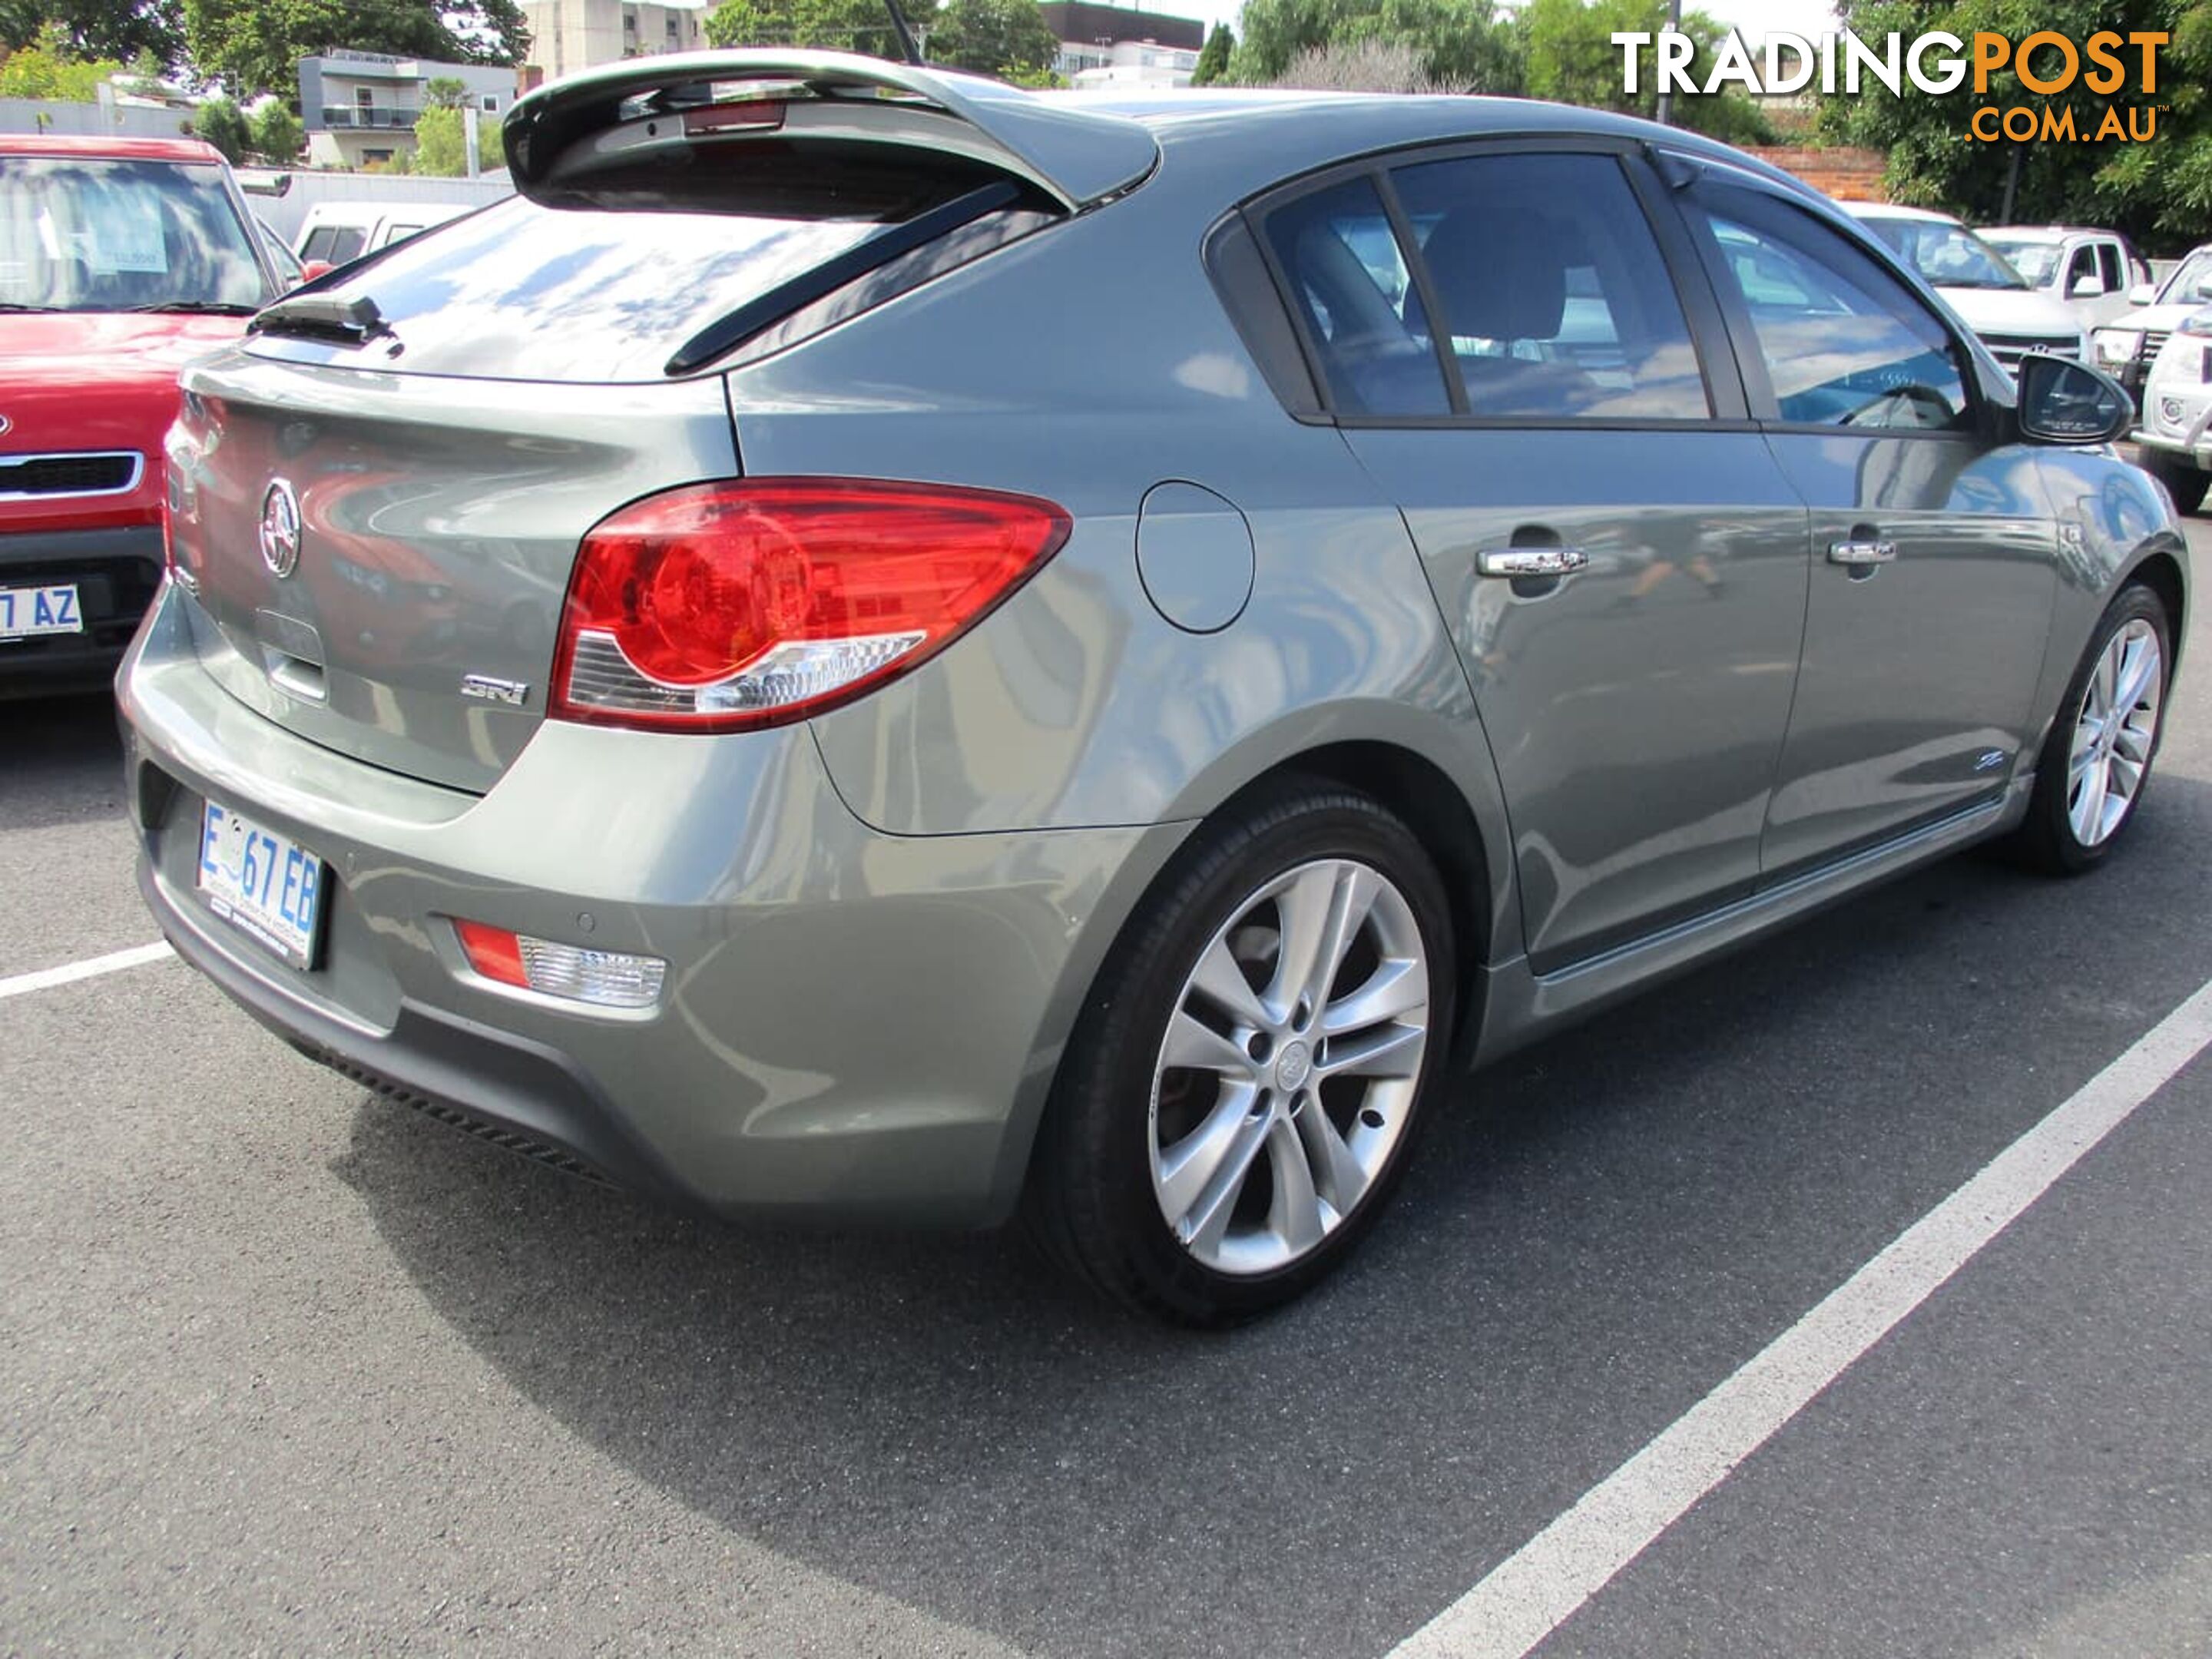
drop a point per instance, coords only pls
(120, 260)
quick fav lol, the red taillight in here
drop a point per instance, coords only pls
(492, 951)
(716, 606)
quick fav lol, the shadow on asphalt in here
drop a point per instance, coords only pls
(61, 760)
(1610, 1224)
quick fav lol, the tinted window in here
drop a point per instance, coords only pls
(1557, 302)
(605, 281)
(2108, 266)
(1844, 343)
(2084, 264)
(1347, 276)
(110, 235)
(334, 244)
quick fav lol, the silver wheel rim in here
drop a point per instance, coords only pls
(2114, 734)
(1288, 1071)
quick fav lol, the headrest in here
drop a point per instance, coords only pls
(1501, 277)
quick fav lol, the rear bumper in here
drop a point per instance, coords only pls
(856, 1026)
(115, 572)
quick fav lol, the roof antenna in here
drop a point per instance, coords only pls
(907, 48)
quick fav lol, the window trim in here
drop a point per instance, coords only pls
(1726, 394)
(1751, 362)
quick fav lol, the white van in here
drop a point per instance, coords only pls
(336, 232)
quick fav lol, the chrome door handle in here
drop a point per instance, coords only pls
(1531, 561)
(1862, 552)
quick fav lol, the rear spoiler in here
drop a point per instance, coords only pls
(1076, 156)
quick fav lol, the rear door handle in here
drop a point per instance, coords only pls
(1531, 561)
(1861, 553)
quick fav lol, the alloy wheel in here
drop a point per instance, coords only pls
(1289, 1069)
(2114, 734)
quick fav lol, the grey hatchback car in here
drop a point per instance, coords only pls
(874, 645)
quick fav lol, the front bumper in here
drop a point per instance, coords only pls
(116, 572)
(855, 1025)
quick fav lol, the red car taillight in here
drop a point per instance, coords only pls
(716, 606)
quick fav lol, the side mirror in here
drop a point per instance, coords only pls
(2088, 286)
(2064, 402)
(2143, 294)
(2204, 289)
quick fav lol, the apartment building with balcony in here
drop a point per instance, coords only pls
(360, 107)
(1103, 45)
(567, 35)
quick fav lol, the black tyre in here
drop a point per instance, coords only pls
(1241, 1091)
(2185, 482)
(2097, 762)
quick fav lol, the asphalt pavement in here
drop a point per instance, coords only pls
(288, 1368)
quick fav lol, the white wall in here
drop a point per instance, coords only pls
(90, 120)
(285, 214)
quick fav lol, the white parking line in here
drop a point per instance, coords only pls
(114, 962)
(1538, 1588)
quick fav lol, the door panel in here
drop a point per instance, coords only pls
(1918, 673)
(1932, 547)
(1637, 708)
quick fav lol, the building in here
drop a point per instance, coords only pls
(567, 35)
(360, 107)
(1104, 45)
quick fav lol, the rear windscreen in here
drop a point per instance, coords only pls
(603, 283)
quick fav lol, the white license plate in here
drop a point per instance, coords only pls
(27, 613)
(265, 884)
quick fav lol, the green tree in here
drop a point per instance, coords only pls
(1214, 57)
(1006, 38)
(278, 136)
(1572, 59)
(858, 25)
(121, 29)
(441, 143)
(445, 92)
(49, 69)
(2159, 192)
(255, 46)
(1465, 45)
(223, 123)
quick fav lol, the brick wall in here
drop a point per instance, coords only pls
(1849, 175)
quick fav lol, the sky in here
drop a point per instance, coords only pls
(1754, 18)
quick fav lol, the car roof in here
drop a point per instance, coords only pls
(1253, 138)
(2050, 233)
(1896, 210)
(119, 150)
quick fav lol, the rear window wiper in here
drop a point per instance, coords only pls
(323, 317)
(203, 307)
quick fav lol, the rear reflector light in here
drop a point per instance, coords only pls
(752, 603)
(607, 979)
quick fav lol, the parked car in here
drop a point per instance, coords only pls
(2089, 272)
(971, 772)
(120, 259)
(1992, 298)
(2130, 346)
(336, 232)
(2177, 408)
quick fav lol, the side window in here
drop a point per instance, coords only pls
(1347, 277)
(2108, 266)
(1557, 300)
(335, 243)
(1843, 342)
(2083, 264)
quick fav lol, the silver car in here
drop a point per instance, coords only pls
(874, 645)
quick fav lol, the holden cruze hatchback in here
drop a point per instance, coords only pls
(875, 645)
